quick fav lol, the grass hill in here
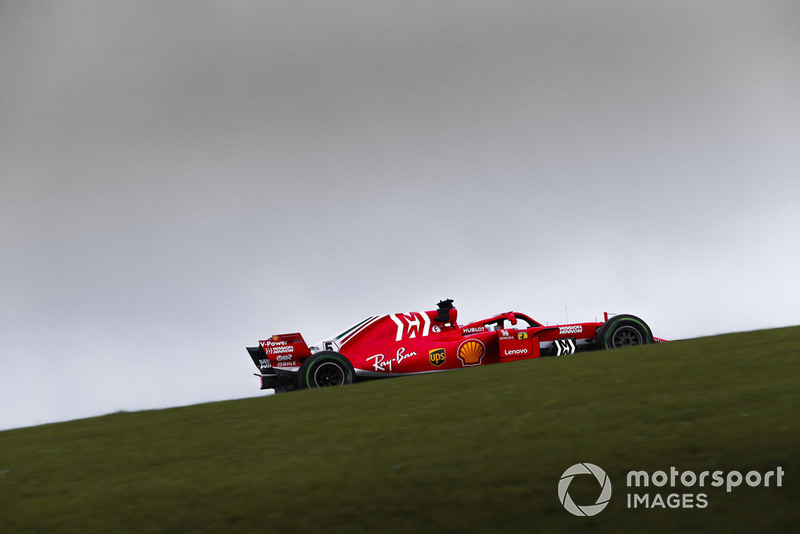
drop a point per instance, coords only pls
(478, 450)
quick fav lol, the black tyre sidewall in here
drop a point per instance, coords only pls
(607, 331)
(312, 363)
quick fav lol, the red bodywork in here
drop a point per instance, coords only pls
(431, 341)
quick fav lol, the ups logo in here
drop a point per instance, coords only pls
(437, 357)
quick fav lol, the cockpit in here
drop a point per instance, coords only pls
(505, 321)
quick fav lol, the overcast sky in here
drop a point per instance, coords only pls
(181, 179)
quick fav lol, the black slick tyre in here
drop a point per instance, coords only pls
(623, 331)
(325, 369)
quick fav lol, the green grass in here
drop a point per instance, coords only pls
(478, 450)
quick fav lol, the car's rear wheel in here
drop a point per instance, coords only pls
(623, 331)
(325, 369)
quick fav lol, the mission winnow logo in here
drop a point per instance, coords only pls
(659, 488)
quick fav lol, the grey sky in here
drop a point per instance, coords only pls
(178, 180)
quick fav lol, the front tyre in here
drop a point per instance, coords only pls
(325, 369)
(623, 331)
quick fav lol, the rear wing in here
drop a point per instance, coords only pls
(282, 350)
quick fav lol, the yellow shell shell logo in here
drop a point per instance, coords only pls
(471, 351)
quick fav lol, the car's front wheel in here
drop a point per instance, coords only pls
(325, 369)
(623, 331)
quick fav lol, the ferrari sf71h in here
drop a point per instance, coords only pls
(425, 342)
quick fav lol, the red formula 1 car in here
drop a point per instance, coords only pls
(425, 342)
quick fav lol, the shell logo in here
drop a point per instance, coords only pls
(471, 352)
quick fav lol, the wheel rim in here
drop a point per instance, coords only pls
(626, 336)
(329, 374)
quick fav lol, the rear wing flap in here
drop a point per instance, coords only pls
(281, 350)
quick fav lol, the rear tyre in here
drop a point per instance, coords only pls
(623, 331)
(325, 369)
